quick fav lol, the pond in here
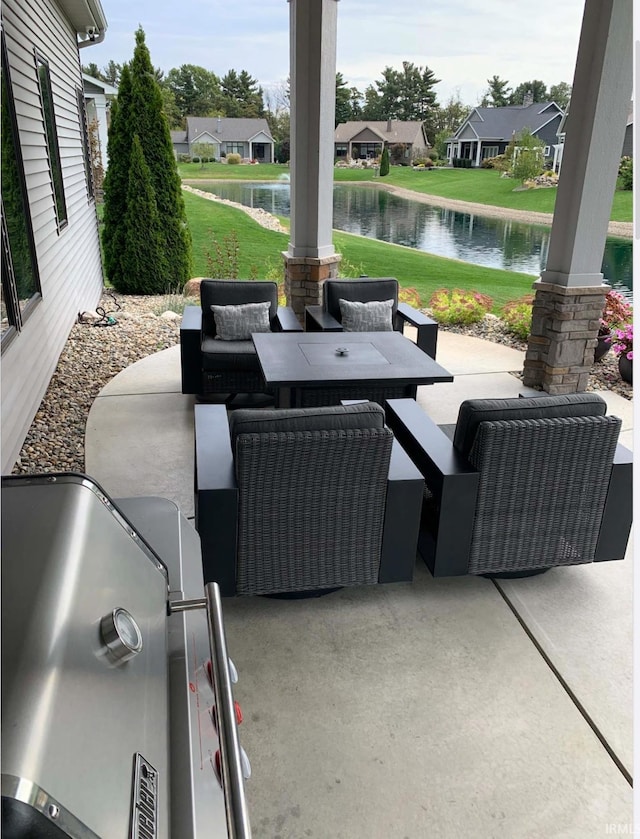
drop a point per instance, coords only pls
(480, 240)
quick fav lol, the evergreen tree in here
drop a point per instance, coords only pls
(143, 260)
(140, 111)
(497, 95)
(343, 100)
(384, 162)
(116, 180)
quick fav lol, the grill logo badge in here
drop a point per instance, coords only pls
(144, 816)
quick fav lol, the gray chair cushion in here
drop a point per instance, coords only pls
(228, 355)
(235, 293)
(375, 316)
(365, 290)
(474, 411)
(236, 323)
(332, 418)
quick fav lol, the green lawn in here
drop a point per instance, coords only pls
(260, 255)
(482, 186)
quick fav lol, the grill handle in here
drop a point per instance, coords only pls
(231, 765)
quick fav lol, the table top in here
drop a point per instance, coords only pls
(315, 358)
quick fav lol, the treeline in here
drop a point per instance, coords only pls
(406, 93)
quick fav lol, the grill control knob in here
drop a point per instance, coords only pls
(121, 634)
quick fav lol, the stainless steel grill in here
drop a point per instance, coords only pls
(118, 717)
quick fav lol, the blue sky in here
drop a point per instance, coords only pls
(464, 42)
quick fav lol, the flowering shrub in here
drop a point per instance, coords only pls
(457, 306)
(617, 310)
(410, 296)
(516, 315)
(622, 341)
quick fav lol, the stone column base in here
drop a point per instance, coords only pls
(564, 330)
(303, 279)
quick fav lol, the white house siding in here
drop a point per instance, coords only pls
(68, 261)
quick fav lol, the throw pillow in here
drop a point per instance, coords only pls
(236, 323)
(375, 316)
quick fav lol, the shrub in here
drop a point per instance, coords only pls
(625, 173)
(617, 310)
(384, 162)
(184, 158)
(233, 158)
(516, 316)
(458, 306)
(410, 295)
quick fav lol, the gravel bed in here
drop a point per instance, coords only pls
(93, 355)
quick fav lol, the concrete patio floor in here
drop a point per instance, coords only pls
(452, 708)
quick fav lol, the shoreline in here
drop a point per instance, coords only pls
(621, 229)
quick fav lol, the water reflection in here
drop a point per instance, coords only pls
(480, 240)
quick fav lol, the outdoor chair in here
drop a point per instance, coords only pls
(216, 351)
(519, 486)
(303, 500)
(336, 316)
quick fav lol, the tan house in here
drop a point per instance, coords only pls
(364, 140)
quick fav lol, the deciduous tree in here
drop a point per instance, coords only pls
(535, 89)
(560, 94)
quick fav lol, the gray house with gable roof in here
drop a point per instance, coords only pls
(486, 132)
(250, 138)
(361, 140)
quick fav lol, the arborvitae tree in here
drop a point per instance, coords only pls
(148, 121)
(384, 162)
(143, 260)
(116, 181)
(139, 111)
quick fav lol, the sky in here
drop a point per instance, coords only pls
(464, 42)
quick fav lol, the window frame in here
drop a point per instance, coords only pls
(86, 147)
(17, 314)
(52, 144)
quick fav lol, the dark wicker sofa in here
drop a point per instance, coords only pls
(519, 485)
(303, 499)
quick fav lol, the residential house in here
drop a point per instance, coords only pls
(364, 140)
(627, 144)
(487, 132)
(98, 96)
(250, 138)
(51, 266)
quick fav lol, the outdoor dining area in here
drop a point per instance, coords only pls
(471, 694)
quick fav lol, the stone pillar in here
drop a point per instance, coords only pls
(570, 295)
(563, 337)
(311, 256)
(303, 279)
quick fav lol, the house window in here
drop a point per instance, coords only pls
(341, 149)
(235, 148)
(489, 151)
(20, 282)
(55, 166)
(84, 131)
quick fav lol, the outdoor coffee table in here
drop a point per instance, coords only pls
(322, 368)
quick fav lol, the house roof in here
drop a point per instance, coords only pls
(391, 131)
(92, 85)
(84, 14)
(226, 128)
(501, 123)
(179, 136)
